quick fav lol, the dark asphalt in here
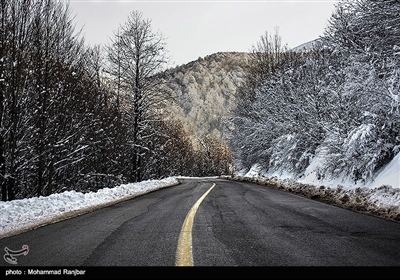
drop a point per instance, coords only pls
(248, 225)
(237, 224)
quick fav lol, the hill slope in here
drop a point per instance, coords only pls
(205, 91)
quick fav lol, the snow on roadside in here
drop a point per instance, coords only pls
(23, 214)
(389, 175)
(380, 197)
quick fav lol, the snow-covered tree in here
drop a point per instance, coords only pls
(365, 35)
(15, 19)
(338, 102)
(51, 103)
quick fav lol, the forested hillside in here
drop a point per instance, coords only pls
(205, 92)
(331, 111)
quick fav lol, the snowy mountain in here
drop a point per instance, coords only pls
(205, 91)
(308, 45)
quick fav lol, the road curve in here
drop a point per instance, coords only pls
(248, 225)
(237, 224)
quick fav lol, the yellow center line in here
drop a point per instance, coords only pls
(184, 255)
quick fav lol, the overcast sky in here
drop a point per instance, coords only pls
(198, 28)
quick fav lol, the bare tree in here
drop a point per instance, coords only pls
(136, 55)
(14, 47)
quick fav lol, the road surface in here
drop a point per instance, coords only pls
(236, 224)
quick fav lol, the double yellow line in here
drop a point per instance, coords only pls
(184, 256)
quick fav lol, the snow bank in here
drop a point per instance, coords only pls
(25, 214)
(389, 175)
(380, 197)
(382, 201)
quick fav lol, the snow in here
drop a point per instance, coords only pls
(390, 175)
(307, 46)
(379, 197)
(24, 214)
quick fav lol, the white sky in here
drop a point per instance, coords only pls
(198, 28)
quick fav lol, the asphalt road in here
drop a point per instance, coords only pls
(237, 224)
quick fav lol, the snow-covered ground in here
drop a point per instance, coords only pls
(23, 214)
(380, 197)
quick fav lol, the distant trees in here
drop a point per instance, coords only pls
(205, 91)
(174, 153)
(336, 106)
